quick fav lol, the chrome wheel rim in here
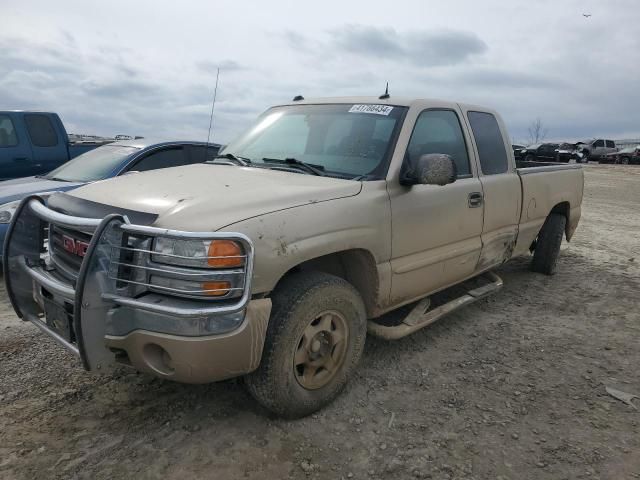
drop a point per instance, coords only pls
(320, 350)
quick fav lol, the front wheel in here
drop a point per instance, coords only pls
(545, 256)
(315, 338)
(624, 160)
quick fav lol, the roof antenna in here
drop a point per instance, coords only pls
(385, 95)
(213, 104)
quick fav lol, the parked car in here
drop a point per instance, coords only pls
(33, 143)
(276, 260)
(566, 152)
(516, 150)
(107, 161)
(539, 152)
(596, 149)
(625, 156)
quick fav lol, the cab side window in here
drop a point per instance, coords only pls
(599, 143)
(491, 149)
(169, 157)
(610, 144)
(439, 131)
(8, 137)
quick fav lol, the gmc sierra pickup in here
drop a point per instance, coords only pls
(274, 260)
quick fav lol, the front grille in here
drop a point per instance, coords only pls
(68, 262)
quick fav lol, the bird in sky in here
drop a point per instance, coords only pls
(586, 15)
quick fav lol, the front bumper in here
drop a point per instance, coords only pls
(101, 322)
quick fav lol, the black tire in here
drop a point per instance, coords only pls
(624, 160)
(297, 301)
(545, 256)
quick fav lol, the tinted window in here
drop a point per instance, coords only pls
(8, 137)
(610, 144)
(170, 157)
(493, 156)
(41, 130)
(95, 164)
(439, 131)
(197, 155)
(599, 143)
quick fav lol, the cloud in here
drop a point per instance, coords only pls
(110, 74)
(226, 66)
(423, 48)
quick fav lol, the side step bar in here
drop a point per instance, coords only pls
(421, 316)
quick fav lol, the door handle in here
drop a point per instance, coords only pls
(475, 199)
(20, 159)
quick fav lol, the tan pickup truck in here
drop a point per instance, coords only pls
(274, 260)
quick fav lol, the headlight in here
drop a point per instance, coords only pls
(198, 253)
(7, 210)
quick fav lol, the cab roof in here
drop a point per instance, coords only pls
(391, 101)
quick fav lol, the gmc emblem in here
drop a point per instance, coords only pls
(74, 246)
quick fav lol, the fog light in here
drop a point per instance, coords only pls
(215, 288)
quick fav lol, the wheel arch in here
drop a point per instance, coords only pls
(356, 266)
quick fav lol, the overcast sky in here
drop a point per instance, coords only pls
(148, 68)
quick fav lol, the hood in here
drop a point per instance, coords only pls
(17, 189)
(209, 197)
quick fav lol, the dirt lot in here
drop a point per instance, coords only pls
(512, 387)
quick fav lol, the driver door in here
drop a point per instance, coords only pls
(436, 229)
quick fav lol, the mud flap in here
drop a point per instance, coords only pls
(96, 278)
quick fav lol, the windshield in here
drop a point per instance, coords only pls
(343, 140)
(96, 164)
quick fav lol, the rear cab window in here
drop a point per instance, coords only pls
(610, 144)
(41, 130)
(8, 137)
(489, 141)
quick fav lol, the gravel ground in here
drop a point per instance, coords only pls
(512, 387)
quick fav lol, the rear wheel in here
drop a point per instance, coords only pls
(315, 338)
(624, 160)
(545, 256)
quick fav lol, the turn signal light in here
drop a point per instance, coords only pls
(225, 253)
(215, 289)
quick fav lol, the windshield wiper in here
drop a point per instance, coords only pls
(310, 168)
(243, 161)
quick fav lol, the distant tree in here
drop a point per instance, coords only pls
(537, 132)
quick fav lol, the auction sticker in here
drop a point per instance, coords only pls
(376, 109)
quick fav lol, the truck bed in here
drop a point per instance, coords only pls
(536, 167)
(548, 187)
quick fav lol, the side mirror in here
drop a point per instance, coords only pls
(430, 169)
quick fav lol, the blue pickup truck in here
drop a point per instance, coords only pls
(33, 143)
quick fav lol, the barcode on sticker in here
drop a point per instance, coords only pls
(376, 109)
